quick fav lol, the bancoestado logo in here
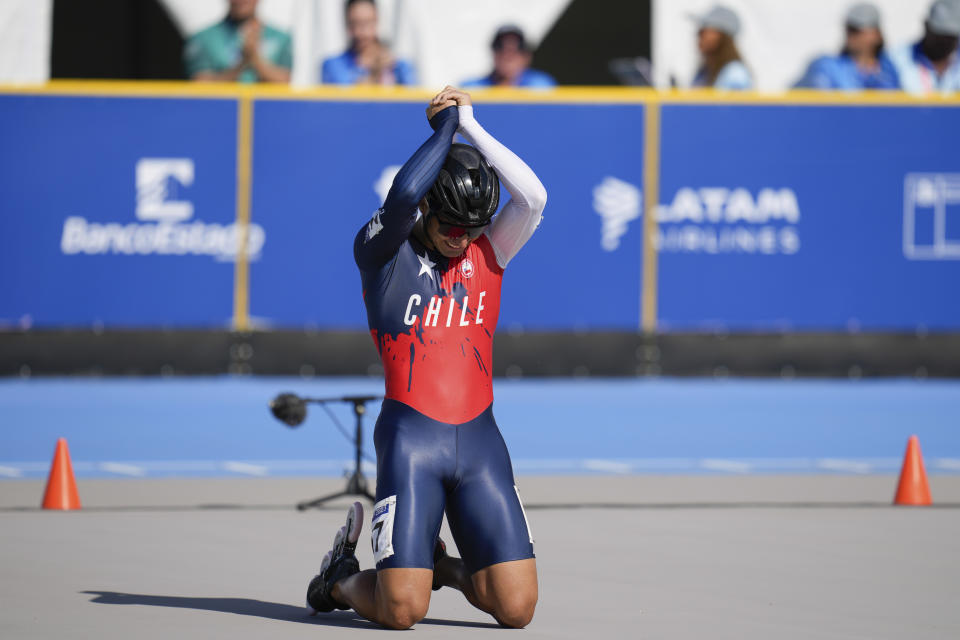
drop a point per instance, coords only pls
(165, 227)
(709, 220)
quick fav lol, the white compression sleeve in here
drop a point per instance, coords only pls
(519, 218)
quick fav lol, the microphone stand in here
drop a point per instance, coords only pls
(356, 483)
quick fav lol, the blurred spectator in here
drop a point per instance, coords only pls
(511, 63)
(721, 65)
(367, 61)
(239, 48)
(931, 65)
(862, 63)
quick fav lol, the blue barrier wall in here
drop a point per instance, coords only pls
(119, 211)
(317, 167)
(116, 211)
(793, 217)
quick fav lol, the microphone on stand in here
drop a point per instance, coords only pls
(289, 409)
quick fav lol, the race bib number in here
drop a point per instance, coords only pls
(524, 512)
(381, 530)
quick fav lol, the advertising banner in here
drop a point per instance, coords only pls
(120, 212)
(117, 212)
(322, 170)
(809, 218)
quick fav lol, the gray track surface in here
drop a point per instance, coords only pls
(620, 557)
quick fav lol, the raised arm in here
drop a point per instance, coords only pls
(379, 239)
(519, 218)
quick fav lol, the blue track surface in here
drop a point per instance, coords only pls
(221, 425)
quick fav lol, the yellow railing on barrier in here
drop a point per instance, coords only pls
(652, 98)
(634, 95)
(241, 277)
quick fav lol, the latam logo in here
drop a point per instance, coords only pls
(931, 216)
(709, 220)
(165, 226)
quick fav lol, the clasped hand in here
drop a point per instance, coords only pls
(449, 97)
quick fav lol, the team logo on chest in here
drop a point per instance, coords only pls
(466, 268)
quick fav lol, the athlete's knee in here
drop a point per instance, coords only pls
(402, 611)
(402, 616)
(516, 610)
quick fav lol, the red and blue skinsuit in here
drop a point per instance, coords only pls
(433, 320)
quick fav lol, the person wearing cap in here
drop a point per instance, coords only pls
(862, 63)
(368, 60)
(511, 63)
(932, 65)
(721, 65)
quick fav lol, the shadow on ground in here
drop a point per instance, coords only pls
(259, 609)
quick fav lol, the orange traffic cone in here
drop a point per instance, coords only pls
(61, 490)
(913, 488)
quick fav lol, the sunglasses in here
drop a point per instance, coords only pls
(455, 231)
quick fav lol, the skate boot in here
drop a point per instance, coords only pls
(339, 563)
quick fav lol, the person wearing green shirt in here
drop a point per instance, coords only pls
(239, 48)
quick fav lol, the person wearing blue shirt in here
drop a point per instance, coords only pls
(511, 63)
(721, 65)
(367, 61)
(862, 64)
(932, 65)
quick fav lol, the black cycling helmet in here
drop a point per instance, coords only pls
(467, 190)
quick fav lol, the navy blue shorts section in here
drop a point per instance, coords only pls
(429, 467)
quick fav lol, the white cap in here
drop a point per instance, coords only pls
(720, 18)
(944, 18)
(863, 16)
